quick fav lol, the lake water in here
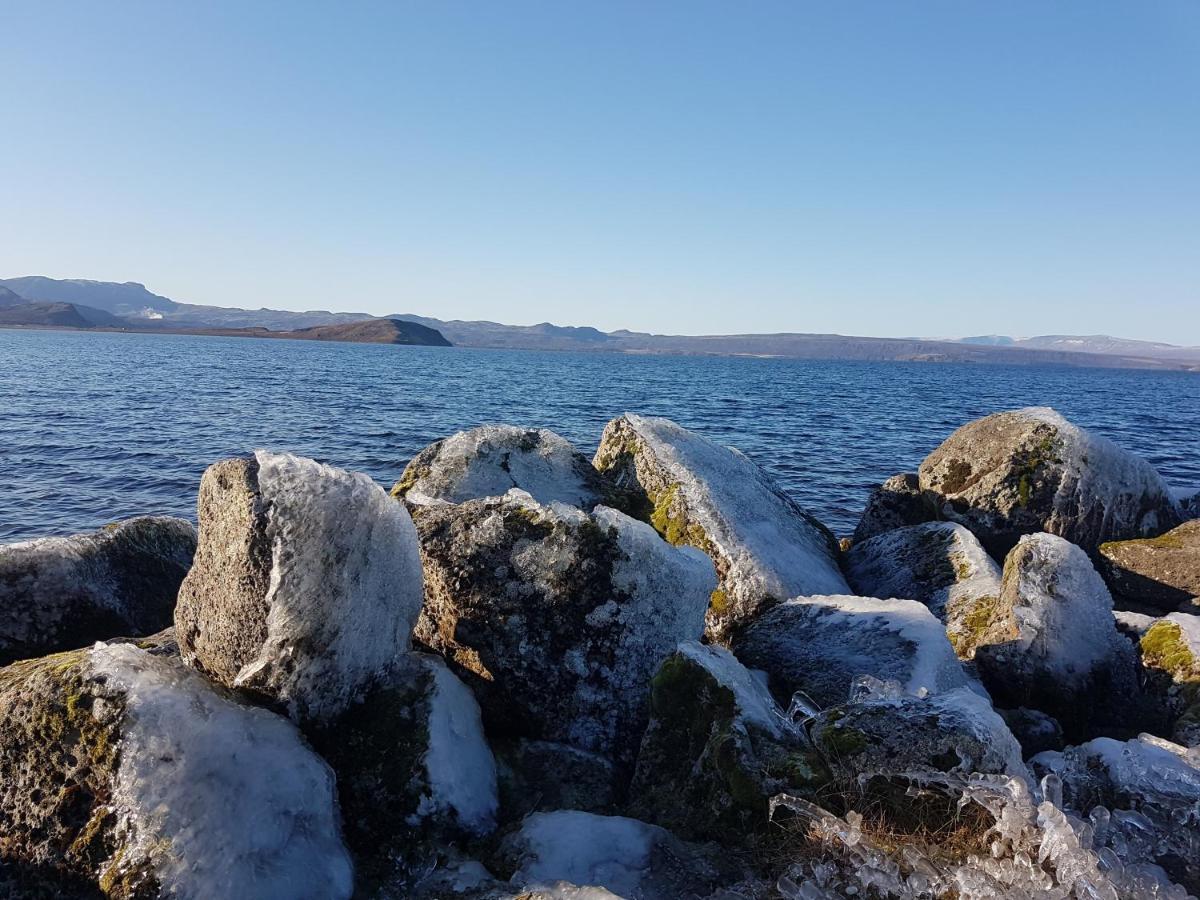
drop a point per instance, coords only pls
(96, 427)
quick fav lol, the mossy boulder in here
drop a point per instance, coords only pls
(58, 593)
(123, 773)
(557, 618)
(491, 460)
(1170, 656)
(716, 750)
(699, 493)
(541, 776)
(1030, 470)
(897, 503)
(1162, 572)
(305, 586)
(897, 735)
(1051, 643)
(820, 645)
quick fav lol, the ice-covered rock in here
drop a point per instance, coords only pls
(306, 583)
(765, 547)
(1051, 642)
(1170, 654)
(557, 618)
(1148, 790)
(716, 749)
(1030, 470)
(572, 854)
(540, 776)
(125, 768)
(940, 564)
(886, 732)
(819, 645)
(413, 767)
(1162, 572)
(897, 503)
(61, 593)
(1133, 625)
(1034, 730)
(491, 460)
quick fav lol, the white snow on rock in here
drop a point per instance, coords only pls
(940, 564)
(1133, 624)
(345, 588)
(755, 704)
(222, 800)
(1147, 768)
(1064, 617)
(821, 644)
(459, 763)
(585, 850)
(490, 460)
(766, 545)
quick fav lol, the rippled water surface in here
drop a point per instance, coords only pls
(95, 427)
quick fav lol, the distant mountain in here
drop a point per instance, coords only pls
(10, 298)
(60, 315)
(369, 331)
(128, 299)
(152, 312)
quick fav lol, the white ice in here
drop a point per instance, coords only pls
(755, 705)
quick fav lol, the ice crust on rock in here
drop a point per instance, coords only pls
(61, 593)
(1030, 470)
(940, 564)
(754, 703)
(490, 460)
(559, 618)
(339, 568)
(222, 800)
(819, 645)
(459, 764)
(765, 547)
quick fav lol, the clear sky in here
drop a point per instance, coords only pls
(882, 168)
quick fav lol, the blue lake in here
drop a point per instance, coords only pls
(96, 427)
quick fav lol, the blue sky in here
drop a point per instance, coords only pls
(925, 168)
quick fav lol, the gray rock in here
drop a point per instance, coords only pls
(1170, 658)
(61, 593)
(716, 750)
(1036, 731)
(491, 460)
(305, 587)
(1162, 572)
(820, 645)
(540, 776)
(555, 617)
(1030, 470)
(939, 564)
(896, 503)
(1051, 642)
(126, 772)
(696, 492)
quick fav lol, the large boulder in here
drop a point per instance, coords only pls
(886, 734)
(491, 460)
(59, 593)
(1051, 642)
(123, 770)
(540, 776)
(940, 564)
(306, 583)
(696, 492)
(716, 750)
(820, 645)
(1162, 572)
(896, 503)
(1030, 470)
(557, 618)
(1170, 653)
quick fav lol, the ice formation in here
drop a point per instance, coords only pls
(491, 460)
(755, 705)
(820, 644)
(345, 585)
(220, 799)
(609, 852)
(459, 762)
(1035, 850)
(941, 564)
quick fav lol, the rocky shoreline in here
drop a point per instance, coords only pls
(647, 675)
